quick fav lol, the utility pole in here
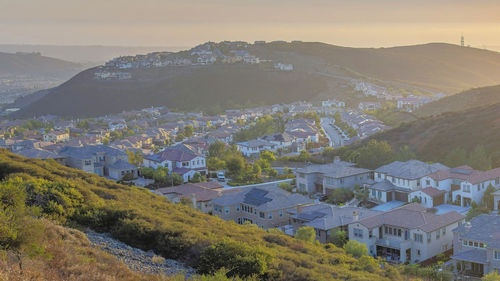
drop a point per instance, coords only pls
(462, 41)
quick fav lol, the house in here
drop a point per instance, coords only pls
(326, 219)
(180, 159)
(56, 136)
(37, 153)
(120, 169)
(265, 206)
(395, 181)
(324, 178)
(369, 106)
(281, 140)
(412, 102)
(429, 197)
(463, 185)
(201, 194)
(255, 147)
(476, 247)
(332, 103)
(411, 233)
(98, 159)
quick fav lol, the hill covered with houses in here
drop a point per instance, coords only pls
(216, 76)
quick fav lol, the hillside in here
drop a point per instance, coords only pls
(462, 101)
(187, 88)
(433, 138)
(33, 64)
(319, 71)
(147, 221)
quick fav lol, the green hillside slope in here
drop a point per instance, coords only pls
(147, 221)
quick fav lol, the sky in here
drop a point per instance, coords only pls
(356, 23)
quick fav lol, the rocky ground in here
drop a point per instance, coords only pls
(136, 259)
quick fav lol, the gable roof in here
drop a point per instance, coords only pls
(196, 190)
(411, 169)
(484, 228)
(179, 154)
(86, 152)
(466, 173)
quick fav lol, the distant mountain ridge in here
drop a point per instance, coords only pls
(435, 67)
(35, 64)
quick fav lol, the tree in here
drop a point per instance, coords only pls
(214, 163)
(176, 179)
(135, 158)
(456, 157)
(340, 196)
(306, 233)
(198, 178)
(479, 159)
(356, 249)
(235, 165)
(179, 137)
(188, 131)
(361, 194)
(304, 156)
(338, 238)
(267, 156)
(216, 149)
(147, 172)
(160, 175)
(374, 154)
(404, 154)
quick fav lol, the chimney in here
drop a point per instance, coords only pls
(355, 216)
(299, 209)
(193, 198)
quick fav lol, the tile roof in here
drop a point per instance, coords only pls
(86, 152)
(484, 228)
(386, 185)
(432, 191)
(122, 165)
(191, 189)
(178, 154)
(333, 170)
(411, 169)
(474, 255)
(466, 173)
(38, 154)
(412, 216)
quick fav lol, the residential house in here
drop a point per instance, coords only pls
(98, 159)
(395, 181)
(178, 159)
(324, 178)
(37, 153)
(281, 140)
(369, 106)
(429, 197)
(255, 147)
(463, 185)
(326, 219)
(408, 234)
(476, 247)
(56, 136)
(265, 206)
(201, 194)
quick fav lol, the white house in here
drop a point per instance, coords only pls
(255, 147)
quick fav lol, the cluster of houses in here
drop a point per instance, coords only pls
(298, 132)
(205, 54)
(366, 125)
(419, 213)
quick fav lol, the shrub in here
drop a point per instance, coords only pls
(356, 249)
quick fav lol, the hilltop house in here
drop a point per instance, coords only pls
(180, 160)
(476, 247)
(410, 233)
(99, 159)
(395, 181)
(326, 219)
(324, 178)
(264, 206)
(463, 185)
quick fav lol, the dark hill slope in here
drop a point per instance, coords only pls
(438, 66)
(432, 138)
(465, 100)
(35, 65)
(189, 88)
(142, 219)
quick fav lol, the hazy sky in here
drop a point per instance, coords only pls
(369, 23)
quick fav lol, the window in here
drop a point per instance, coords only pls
(226, 210)
(476, 244)
(281, 213)
(370, 234)
(497, 255)
(418, 237)
(427, 182)
(270, 215)
(374, 192)
(342, 181)
(444, 230)
(379, 194)
(418, 252)
(262, 215)
(399, 232)
(470, 243)
(429, 237)
(87, 162)
(465, 243)
(438, 234)
(358, 232)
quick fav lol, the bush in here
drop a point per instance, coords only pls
(306, 233)
(356, 249)
(241, 259)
